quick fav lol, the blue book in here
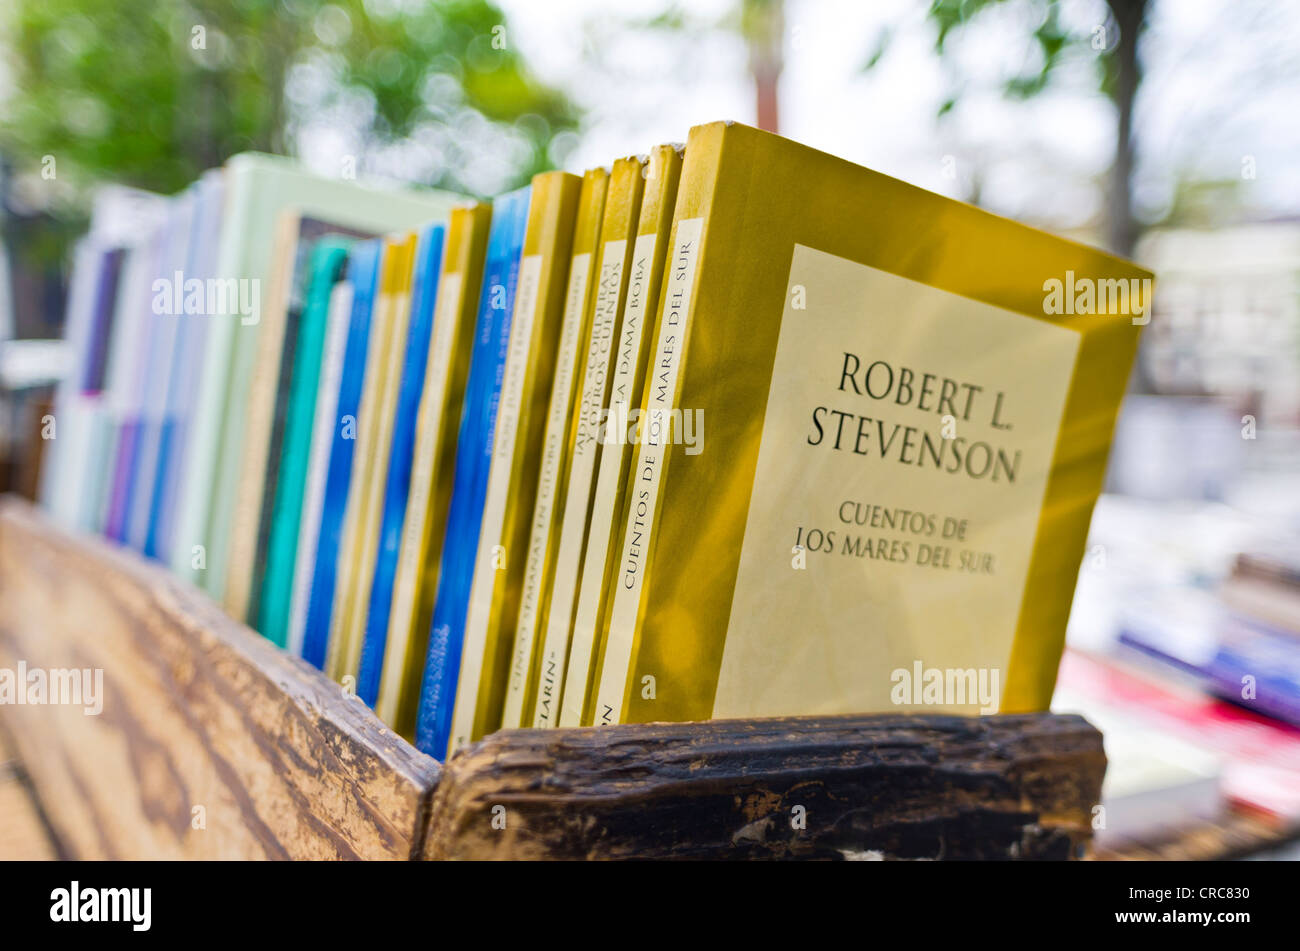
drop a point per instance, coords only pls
(428, 267)
(363, 274)
(469, 484)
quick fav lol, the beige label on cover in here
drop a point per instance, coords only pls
(555, 445)
(905, 451)
(490, 554)
(661, 386)
(591, 582)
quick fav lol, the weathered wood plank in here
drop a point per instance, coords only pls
(902, 787)
(198, 711)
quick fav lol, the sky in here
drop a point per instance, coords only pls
(1221, 85)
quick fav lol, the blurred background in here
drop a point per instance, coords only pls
(1164, 130)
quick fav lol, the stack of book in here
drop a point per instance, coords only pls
(732, 429)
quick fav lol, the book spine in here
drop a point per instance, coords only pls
(397, 484)
(585, 451)
(364, 267)
(636, 339)
(473, 453)
(187, 367)
(416, 561)
(491, 555)
(322, 440)
(370, 466)
(286, 505)
(549, 483)
(653, 441)
(190, 554)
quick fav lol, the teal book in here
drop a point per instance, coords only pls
(328, 259)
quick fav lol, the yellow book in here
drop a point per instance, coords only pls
(617, 238)
(516, 457)
(543, 539)
(374, 430)
(635, 336)
(876, 425)
(432, 466)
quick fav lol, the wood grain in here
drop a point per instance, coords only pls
(871, 787)
(198, 711)
(23, 835)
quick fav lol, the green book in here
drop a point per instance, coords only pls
(328, 258)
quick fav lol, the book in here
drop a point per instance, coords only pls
(397, 480)
(339, 450)
(91, 292)
(165, 320)
(322, 443)
(575, 333)
(185, 363)
(473, 453)
(498, 566)
(576, 623)
(617, 234)
(269, 386)
(118, 423)
(906, 434)
(370, 463)
(258, 188)
(433, 465)
(281, 312)
(328, 257)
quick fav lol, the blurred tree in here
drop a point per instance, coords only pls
(1113, 46)
(151, 93)
(760, 24)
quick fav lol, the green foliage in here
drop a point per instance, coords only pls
(152, 92)
(1053, 42)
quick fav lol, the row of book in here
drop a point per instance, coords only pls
(455, 452)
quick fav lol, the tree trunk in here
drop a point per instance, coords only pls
(763, 24)
(1122, 230)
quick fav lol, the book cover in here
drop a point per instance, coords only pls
(370, 463)
(575, 334)
(469, 483)
(635, 340)
(328, 256)
(397, 480)
(869, 406)
(258, 188)
(433, 466)
(340, 438)
(499, 563)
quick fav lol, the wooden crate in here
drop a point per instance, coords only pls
(212, 743)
